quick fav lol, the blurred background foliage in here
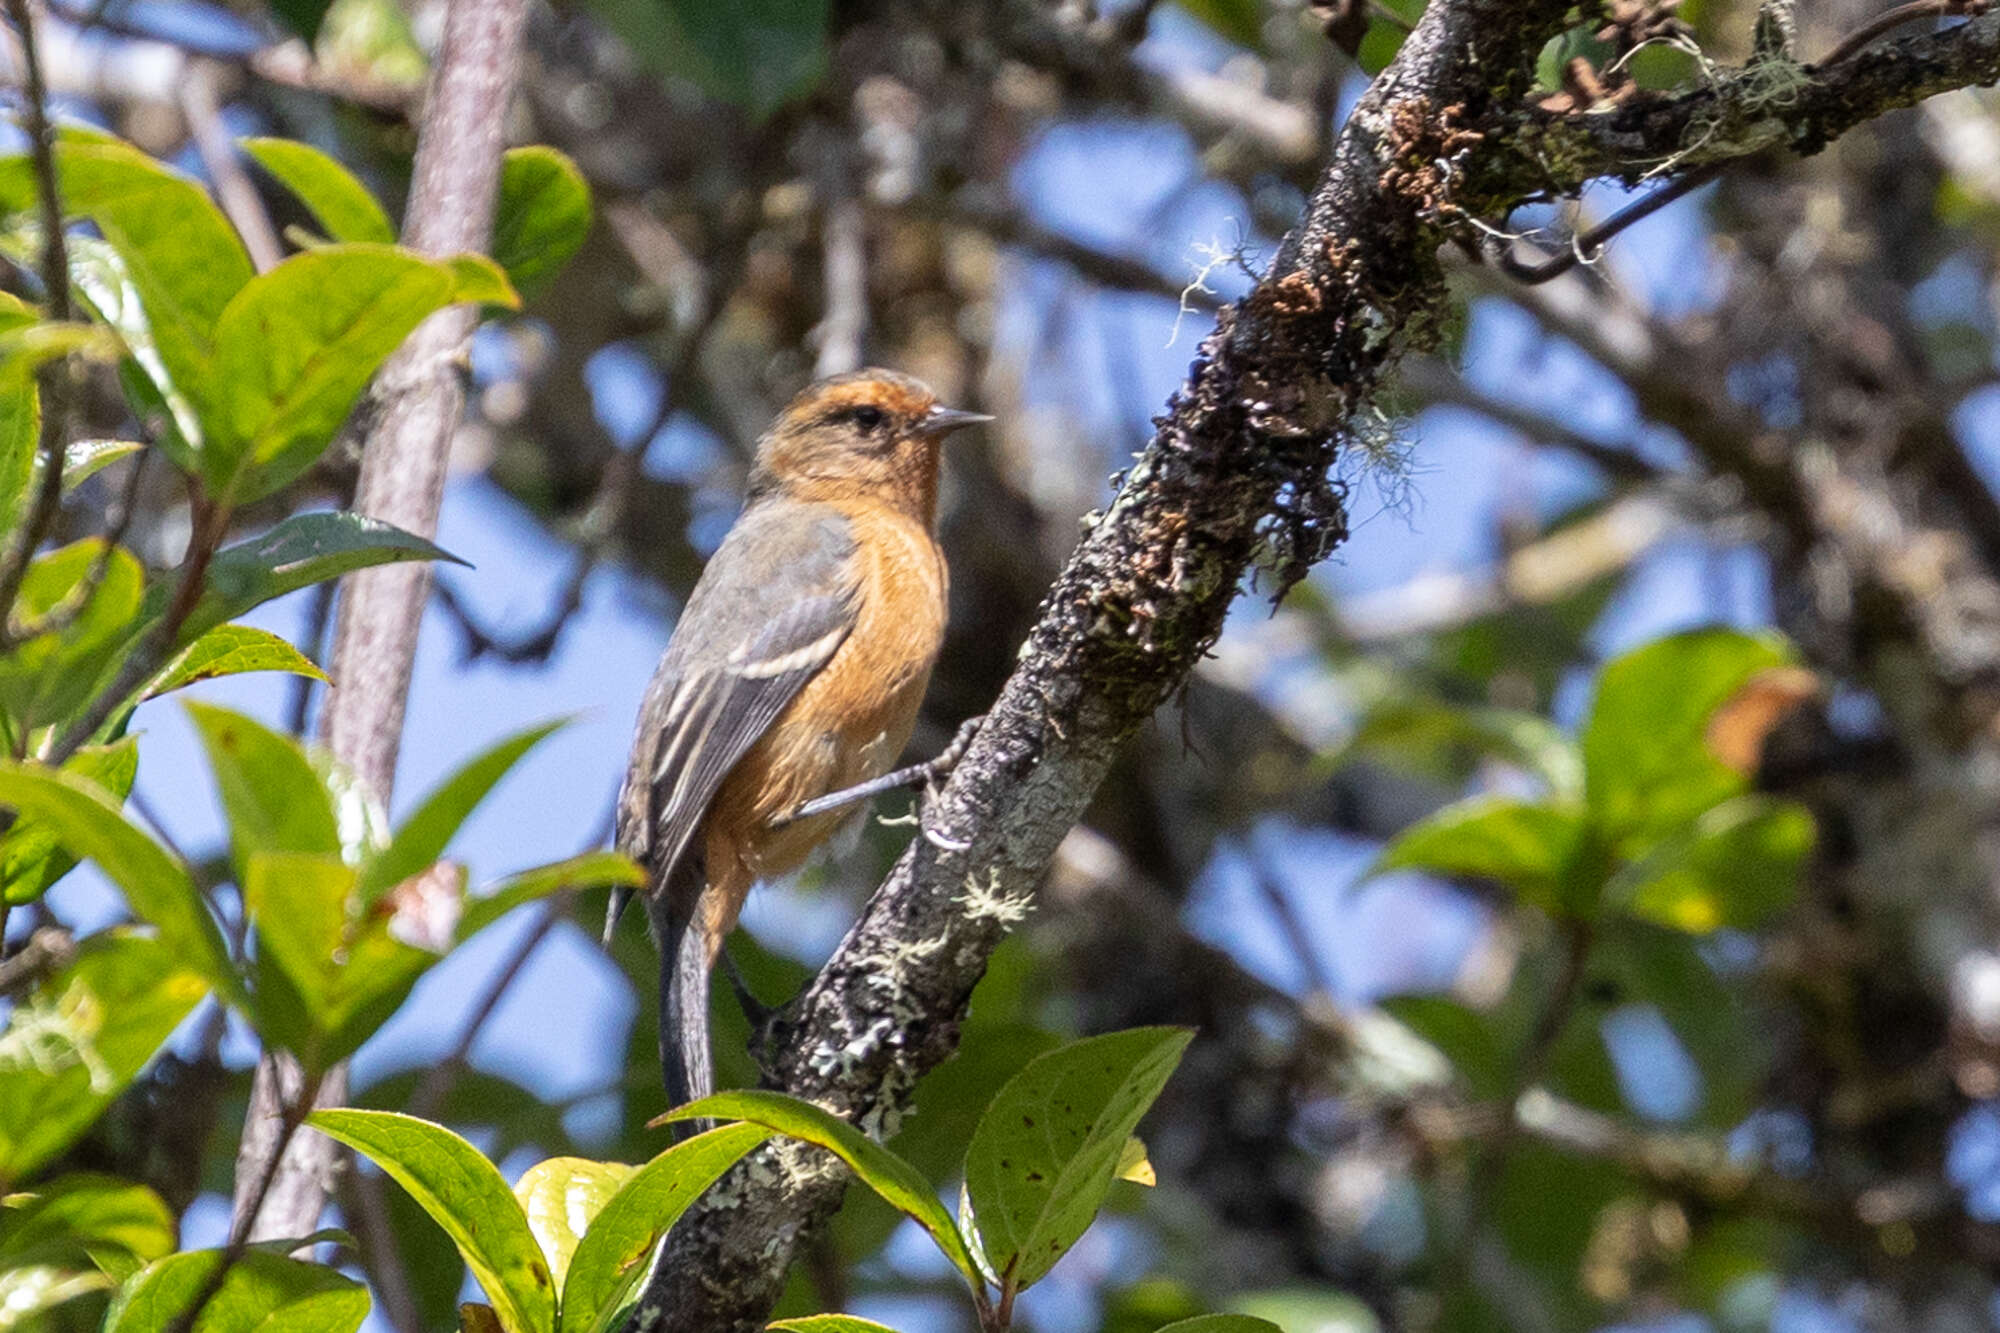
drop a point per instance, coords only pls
(1717, 923)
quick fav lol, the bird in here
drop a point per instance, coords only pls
(795, 671)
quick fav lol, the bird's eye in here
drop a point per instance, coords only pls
(868, 418)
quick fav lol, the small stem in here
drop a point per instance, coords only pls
(292, 1116)
(56, 379)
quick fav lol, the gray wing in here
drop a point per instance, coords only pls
(774, 604)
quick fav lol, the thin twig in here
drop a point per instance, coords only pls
(1587, 246)
(55, 378)
(843, 328)
(1895, 18)
(118, 521)
(233, 189)
(429, 1098)
(293, 1116)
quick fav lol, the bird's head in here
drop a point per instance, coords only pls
(871, 434)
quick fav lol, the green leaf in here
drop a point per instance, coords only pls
(466, 1196)
(20, 445)
(230, 650)
(561, 1196)
(588, 871)
(1046, 1151)
(156, 886)
(1737, 865)
(261, 1293)
(343, 205)
(300, 551)
(1664, 968)
(294, 349)
(901, 1185)
(31, 854)
(612, 1257)
(303, 17)
(1436, 738)
(1464, 1036)
(180, 255)
(1647, 765)
(86, 458)
(298, 903)
(50, 675)
(1539, 851)
(542, 218)
(757, 54)
(1222, 1323)
(1241, 21)
(430, 828)
(831, 1323)
(84, 1220)
(75, 1044)
(33, 1294)
(274, 799)
(101, 279)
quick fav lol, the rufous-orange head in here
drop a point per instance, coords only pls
(871, 434)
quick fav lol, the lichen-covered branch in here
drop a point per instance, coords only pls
(1240, 473)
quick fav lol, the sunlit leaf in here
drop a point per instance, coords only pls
(259, 1292)
(611, 1259)
(230, 650)
(32, 856)
(81, 1038)
(274, 799)
(156, 886)
(295, 347)
(542, 217)
(1047, 1149)
(899, 1183)
(343, 205)
(464, 1194)
(1540, 851)
(84, 1220)
(1737, 865)
(588, 871)
(91, 598)
(561, 1196)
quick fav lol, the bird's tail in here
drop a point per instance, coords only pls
(685, 963)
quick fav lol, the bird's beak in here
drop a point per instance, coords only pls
(943, 420)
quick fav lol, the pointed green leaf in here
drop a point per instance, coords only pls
(73, 1046)
(831, 1323)
(542, 217)
(51, 674)
(230, 650)
(1531, 848)
(84, 1220)
(274, 799)
(181, 256)
(300, 551)
(343, 205)
(20, 446)
(561, 1196)
(611, 1259)
(298, 903)
(588, 871)
(431, 827)
(31, 854)
(106, 287)
(261, 1293)
(465, 1195)
(156, 886)
(481, 282)
(901, 1185)
(1737, 865)
(294, 349)
(1046, 1150)
(86, 458)
(1647, 765)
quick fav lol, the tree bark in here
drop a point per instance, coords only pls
(419, 395)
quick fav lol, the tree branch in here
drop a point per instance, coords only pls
(420, 394)
(1237, 472)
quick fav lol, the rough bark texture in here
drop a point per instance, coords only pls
(419, 396)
